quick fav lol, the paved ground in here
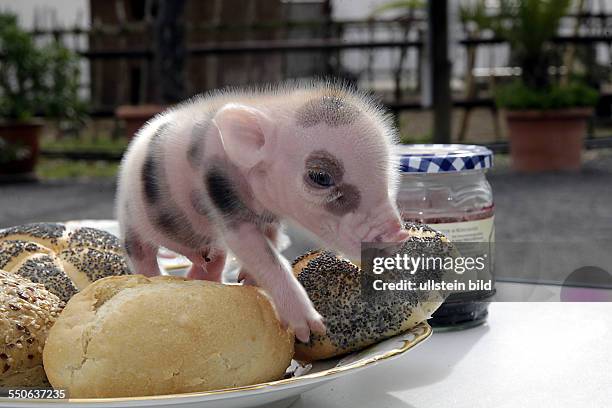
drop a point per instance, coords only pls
(558, 207)
(55, 201)
(554, 206)
(571, 209)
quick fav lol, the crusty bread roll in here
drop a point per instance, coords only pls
(63, 260)
(27, 311)
(354, 318)
(135, 336)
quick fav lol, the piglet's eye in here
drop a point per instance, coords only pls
(320, 179)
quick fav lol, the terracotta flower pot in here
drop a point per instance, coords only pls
(547, 140)
(21, 145)
(135, 116)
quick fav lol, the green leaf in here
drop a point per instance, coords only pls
(529, 25)
(518, 96)
(476, 13)
(37, 78)
(405, 5)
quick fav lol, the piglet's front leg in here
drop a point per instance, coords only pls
(273, 274)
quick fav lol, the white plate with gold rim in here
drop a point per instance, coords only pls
(277, 394)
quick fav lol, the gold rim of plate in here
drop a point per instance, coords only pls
(421, 332)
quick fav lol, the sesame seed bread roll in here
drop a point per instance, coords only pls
(39, 264)
(46, 234)
(355, 319)
(136, 336)
(27, 312)
(87, 265)
(63, 260)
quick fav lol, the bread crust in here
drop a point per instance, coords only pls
(355, 319)
(135, 336)
(63, 260)
(27, 312)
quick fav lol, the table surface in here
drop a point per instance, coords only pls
(537, 353)
(526, 355)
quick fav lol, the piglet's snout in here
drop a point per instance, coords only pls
(390, 231)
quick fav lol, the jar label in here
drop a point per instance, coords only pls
(473, 239)
(468, 231)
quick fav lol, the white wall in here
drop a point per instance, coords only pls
(63, 12)
(354, 9)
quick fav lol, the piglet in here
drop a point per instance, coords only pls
(221, 171)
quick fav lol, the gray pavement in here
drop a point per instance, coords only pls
(559, 207)
(55, 201)
(542, 207)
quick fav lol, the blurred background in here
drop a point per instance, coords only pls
(78, 77)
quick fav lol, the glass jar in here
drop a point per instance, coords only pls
(445, 186)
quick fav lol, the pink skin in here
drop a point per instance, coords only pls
(367, 159)
(209, 267)
(274, 236)
(263, 150)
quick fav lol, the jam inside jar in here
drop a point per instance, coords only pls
(445, 186)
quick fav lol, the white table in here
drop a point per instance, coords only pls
(526, 355)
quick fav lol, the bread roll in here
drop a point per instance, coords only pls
(46, 234)
(27, 311)
(135, 336)
(37, 263)
(63, 260)
(354, 318)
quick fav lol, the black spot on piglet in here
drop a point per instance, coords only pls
(152, 169)
(133, 246)
(222, 192)
(348, 200)
(150, 180)
(331, 110)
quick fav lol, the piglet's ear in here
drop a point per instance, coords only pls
(243, 132)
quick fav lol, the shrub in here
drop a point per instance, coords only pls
(517, 96)
(36, 79)
(529, 26)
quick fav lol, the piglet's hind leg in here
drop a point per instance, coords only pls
(207, 265)
(142, 257)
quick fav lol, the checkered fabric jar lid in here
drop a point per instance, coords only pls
(441, 158)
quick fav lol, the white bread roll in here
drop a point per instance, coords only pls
(135, 336)
(63, 260)
(27, 312)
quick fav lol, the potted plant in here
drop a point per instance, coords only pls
(135, 116)
(33, 80)
(546, 120)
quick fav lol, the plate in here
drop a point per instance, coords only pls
(277, 394)
(274, 394)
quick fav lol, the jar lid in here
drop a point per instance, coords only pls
(440, 158)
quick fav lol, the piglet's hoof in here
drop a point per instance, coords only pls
(303, 320)
(245, 278)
